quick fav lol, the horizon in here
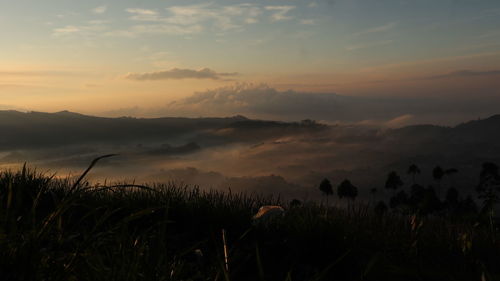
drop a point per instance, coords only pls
(391, 124)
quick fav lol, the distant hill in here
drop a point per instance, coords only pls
(39, 129)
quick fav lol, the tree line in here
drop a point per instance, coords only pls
(422, 200)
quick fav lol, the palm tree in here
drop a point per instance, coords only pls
(393, 181)
(452, 198)
(380, 208)
(326, 188)
(347, 189)
(438, 174)
(373, 192)
(449, 173)
(413, 170)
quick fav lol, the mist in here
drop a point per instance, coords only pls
(245, 155)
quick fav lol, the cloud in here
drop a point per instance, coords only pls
(491, 33)
(89, 29)
(165, 29)
(368, 45)
(190, 19)
(9, 86)
(99, 10)
(143, 14)
(377, 29)
(182, 20)
(312, 5)
(36, 73)
(69, 29)
(264, 102)
(280, 12)
(176, 73)
(439, 60)
(224, 17)
(307, 21)
(142, 11)
(462, 74)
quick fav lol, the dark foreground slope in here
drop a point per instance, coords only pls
(56, 230)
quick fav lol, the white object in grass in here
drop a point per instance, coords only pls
(267, 213)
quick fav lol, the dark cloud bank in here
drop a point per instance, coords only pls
(262, 101)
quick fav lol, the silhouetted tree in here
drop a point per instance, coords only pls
(452, 196)
(424, 200)
(417, 194)
(393, 181)
(466, 207)
(489, 185)
(326, 188)
(380, 208)
(449, 173)
(413, 170)
(489, 178)
(373, 192)
(295, 203)
(438, 174)
(399, 201)
(452, 200)
(347, 189)
(432, 203)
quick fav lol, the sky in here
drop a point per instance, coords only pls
(99, 56)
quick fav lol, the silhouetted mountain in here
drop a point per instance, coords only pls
(37, 129)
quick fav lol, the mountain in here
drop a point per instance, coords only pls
(38, 129)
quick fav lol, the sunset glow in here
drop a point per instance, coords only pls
(93, 56)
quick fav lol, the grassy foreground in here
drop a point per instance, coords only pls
(54, 229)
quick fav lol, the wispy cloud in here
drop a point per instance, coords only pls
(368, 45)
(224, 17)
(30, 73)
(377, 29)
(188, 18)
(143, 14)
(312, 5)
(88, 29)
(182, 20)
(462, 74)
(100, 10)
(307, 21)
(167, 29)
(177, 73)
(141, 11)
(280, 12)
(491, 33)
(69, 29)
(429, 61)
(450, 75)
(8, 86)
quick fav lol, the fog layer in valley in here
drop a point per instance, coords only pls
(287, 158)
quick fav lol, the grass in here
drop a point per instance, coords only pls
(52, 229)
